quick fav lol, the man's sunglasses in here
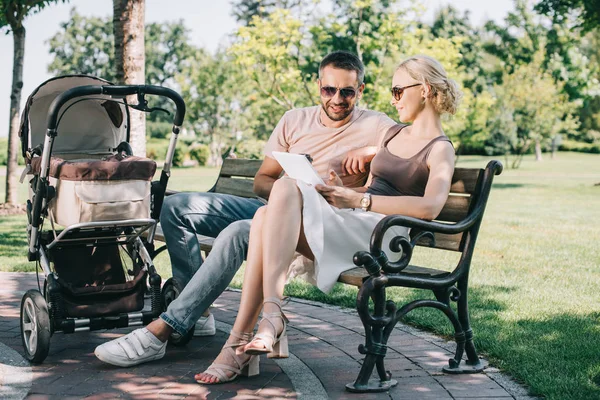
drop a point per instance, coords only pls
(398, 91)
(346, 93)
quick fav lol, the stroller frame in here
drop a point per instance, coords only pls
(42, 314)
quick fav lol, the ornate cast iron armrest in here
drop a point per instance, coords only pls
(375, 260)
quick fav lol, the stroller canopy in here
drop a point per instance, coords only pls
(87, 125)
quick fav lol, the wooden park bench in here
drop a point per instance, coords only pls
(454, 230)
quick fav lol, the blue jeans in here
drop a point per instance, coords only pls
(227, 255)
(183, 217)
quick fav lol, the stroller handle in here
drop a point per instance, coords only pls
(116, 91)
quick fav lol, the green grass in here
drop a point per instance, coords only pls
(535, 275)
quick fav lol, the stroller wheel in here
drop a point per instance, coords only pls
(170, 291)
(35, 326)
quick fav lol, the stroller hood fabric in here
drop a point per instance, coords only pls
(88, 125)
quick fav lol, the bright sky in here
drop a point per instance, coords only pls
(209, 21)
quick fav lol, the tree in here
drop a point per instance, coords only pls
(85, 45)
(216, 109)
(523, 34)
(268, 53)
(450, 24)
(535, 121)
(167, 48)
(128, 25)
(588, 11)
(12, 15)
(245, 10)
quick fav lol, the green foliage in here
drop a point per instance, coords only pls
(535, 121)
(13, 12)
(246, 11)
(571, 145)
(158, 130)
(266, 53)
(156, 149)
(3, 151)
(216, 100)
(180, 154)
(84, 45)
(588, 11)
(250, 148)
(199, 152)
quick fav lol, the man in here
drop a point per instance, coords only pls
(337, 135)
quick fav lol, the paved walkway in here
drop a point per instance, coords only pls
(323, 343)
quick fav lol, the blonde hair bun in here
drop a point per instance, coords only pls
(444, 93)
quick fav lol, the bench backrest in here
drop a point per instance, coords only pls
(237, 176)
(462, 194)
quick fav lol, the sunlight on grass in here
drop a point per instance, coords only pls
(535, 275)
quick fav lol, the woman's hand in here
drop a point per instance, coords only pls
(339, 196)
(334, 179)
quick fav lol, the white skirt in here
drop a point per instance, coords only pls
(334, 236)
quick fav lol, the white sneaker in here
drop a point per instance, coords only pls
(136, 347)
(205, 326)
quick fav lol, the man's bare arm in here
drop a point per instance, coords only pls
(267, 174)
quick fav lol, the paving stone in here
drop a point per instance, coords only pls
(323, 340)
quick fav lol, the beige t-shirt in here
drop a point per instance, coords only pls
(300, 131)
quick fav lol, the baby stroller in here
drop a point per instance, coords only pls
(92, 210)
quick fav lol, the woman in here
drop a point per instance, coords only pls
(410, 175)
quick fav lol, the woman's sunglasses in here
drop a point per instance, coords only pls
(398, 91)
(330, 91)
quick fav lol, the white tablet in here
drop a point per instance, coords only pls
(298, 167)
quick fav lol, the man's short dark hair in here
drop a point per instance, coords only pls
(344, 60)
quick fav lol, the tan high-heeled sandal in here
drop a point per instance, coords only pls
(274, 345)
(250, 367)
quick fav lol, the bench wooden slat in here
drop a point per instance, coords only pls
(444, 241)
(235, 186)
(455, 209)
(464, 180)
(239, 167)
(356, 275)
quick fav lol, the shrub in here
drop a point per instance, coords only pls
(181, 152)
(581, 147)
(156, 149)
(199, 152)
(251, 148)
(158, 130)
(3, 151)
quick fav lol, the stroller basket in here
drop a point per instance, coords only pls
(94, 282)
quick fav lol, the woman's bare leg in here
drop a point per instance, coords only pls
(252, 290)
(282, 235)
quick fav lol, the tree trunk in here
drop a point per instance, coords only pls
(538, 151)
(128, 23)
(15, 103)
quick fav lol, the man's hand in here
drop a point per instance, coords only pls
(339, 196)
(356, 160)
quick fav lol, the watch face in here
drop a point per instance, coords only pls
(364, 202)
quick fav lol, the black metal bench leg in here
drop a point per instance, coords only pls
(473, 363)
(376, 334)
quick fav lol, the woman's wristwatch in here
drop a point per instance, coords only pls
(365, 202)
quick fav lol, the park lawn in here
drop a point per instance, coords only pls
(534, 297)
